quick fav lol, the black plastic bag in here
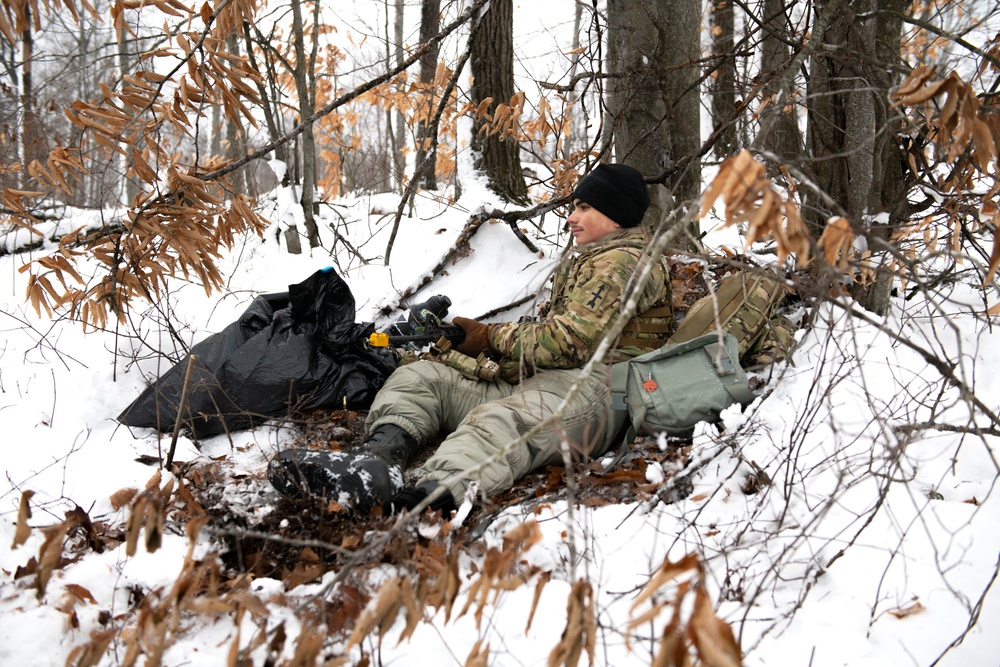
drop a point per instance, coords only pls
(288, 352)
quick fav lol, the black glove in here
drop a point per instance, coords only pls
(411, 496)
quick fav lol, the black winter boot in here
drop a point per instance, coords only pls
(358, 480)
(391, 443)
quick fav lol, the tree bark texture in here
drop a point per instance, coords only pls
(723, 84)
(889, 162)
(426, 155)
(268, 97)
(853, 145)
(306, 97)
(493, 77)
(783, 137)
(826, 112)
(34, 144)
(653, 97)
(399, 138)
(235, 137)
(131, 184)
(580, 121)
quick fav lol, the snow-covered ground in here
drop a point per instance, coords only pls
(870, 537)
(875, 543)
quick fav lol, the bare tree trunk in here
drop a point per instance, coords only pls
(890, 160)
(724, 85)
(426, 157)
(854, 150)
(636, 102)
(32, 137)
(842, 111)
(827, 122)
(569, 143)
(130, 182)
(268, 101)
(234, 134)
(682, 58)
(860, 115)
(215, 145)
(783, 137)
(653, 98)
(306, 93)
(493, 77)
(890, 182)
(399, 138)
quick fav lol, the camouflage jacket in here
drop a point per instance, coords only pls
(588, 290)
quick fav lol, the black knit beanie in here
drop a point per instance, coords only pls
(616, 190)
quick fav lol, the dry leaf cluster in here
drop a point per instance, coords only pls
(581, 628)
(427, 579)
(52, 553)
(416, 102)
(958, 124)
(439, 585)
(836, 242)
(180, 221)
(16, 17)
(161, 615)
(966, 132)
(700, 639)
(147, 514)
(505, 119)
(751, 199)
(509, 121)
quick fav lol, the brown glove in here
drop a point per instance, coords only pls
(477, 337)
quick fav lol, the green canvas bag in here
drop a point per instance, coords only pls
(675, 387)
(698, 373)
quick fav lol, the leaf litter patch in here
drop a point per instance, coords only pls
(299, 540)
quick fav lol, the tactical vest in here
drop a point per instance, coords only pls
(743, 304)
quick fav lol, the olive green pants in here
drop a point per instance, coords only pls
(483, 421)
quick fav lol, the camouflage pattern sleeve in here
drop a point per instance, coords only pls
(588, 300)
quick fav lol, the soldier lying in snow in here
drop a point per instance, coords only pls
(539, 362)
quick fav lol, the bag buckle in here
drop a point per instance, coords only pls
(719, 355)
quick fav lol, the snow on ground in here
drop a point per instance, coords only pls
(873, 544)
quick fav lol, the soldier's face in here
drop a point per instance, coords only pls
(587, 224)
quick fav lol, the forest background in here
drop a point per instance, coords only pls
(163, 162)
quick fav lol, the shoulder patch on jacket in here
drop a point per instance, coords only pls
(599, 295)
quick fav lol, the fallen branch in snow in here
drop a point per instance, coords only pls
(502, 309)
(948, 428)
(272, 537)
(461, 245)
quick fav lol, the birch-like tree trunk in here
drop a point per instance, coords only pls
(33, 143)
(130, 183)
(398, 136)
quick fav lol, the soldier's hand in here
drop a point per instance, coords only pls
(477, 337)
